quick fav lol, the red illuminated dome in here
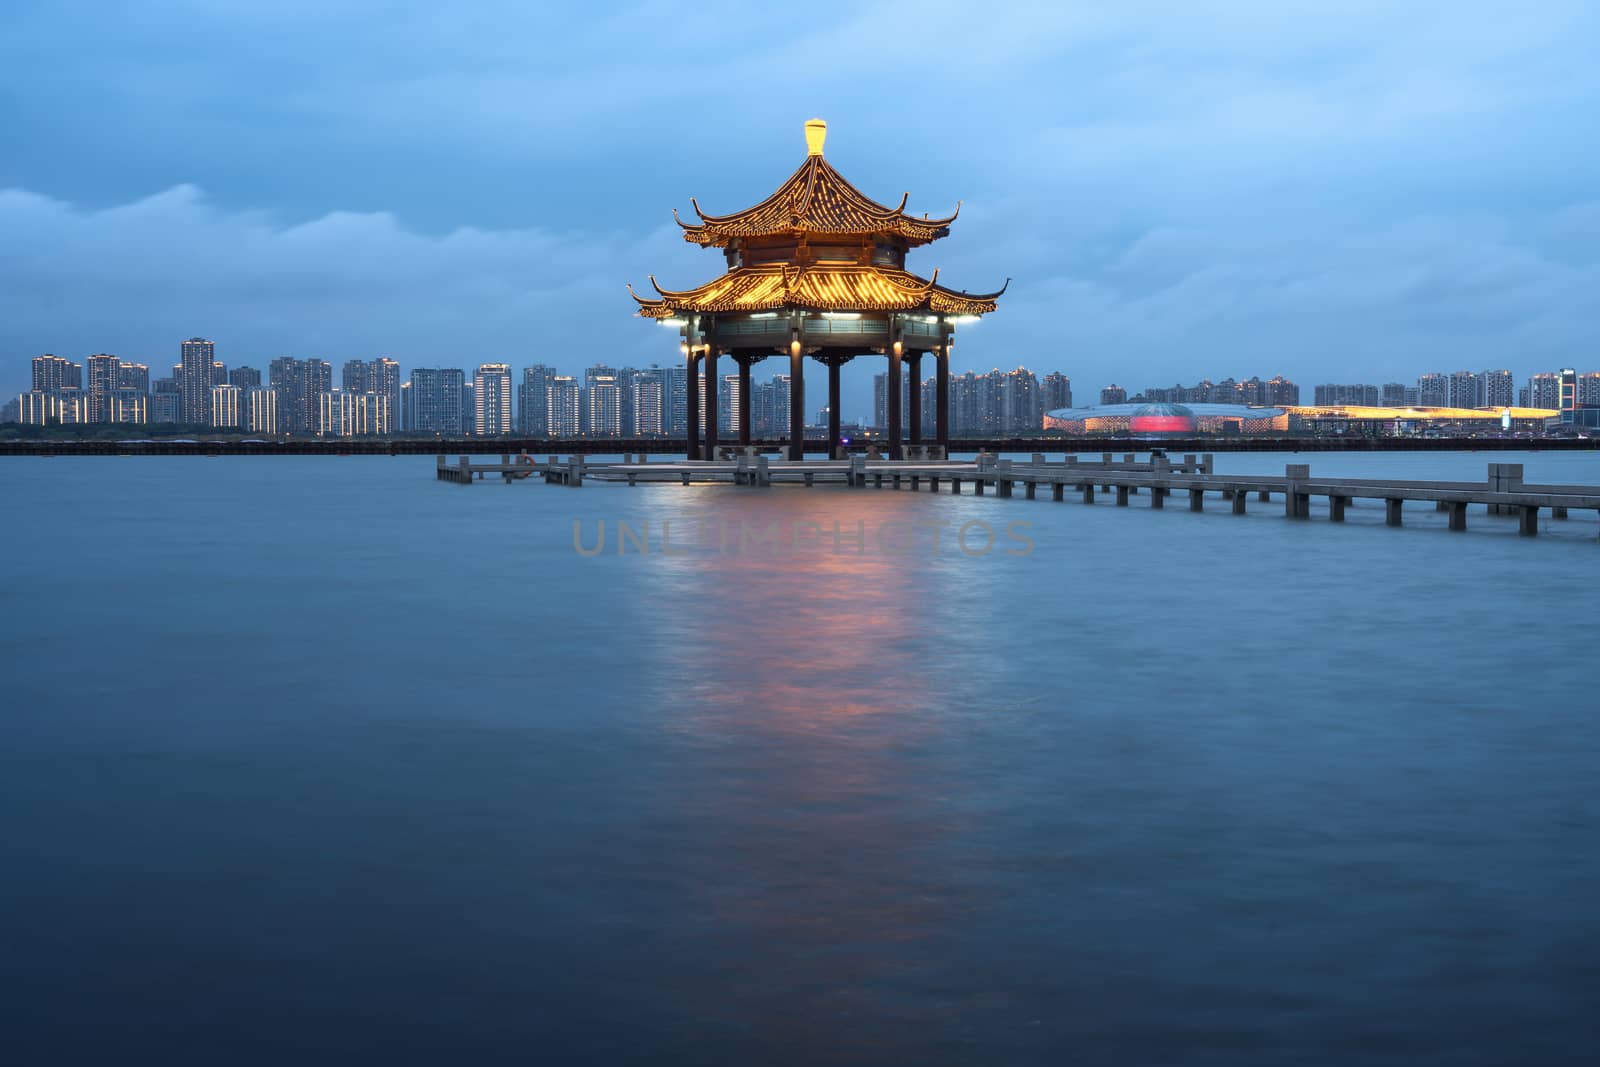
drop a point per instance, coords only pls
(1163, 419)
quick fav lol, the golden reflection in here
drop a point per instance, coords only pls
(808, 675)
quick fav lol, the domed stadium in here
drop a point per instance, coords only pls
(1163, 419)
(1167, 419)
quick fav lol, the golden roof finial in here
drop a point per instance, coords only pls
(816, 133)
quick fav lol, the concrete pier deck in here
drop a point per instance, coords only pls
(1503, 491)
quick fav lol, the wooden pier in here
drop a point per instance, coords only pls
(1502, 492)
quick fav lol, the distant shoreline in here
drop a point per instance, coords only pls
(500, 445)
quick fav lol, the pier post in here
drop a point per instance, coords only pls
(1296, 505)
(897, 479)
(1004, 486)
(1030, 489)
(1336, 508)
(977, 486)
(1458, 514)
(1528, 514)
(1122, 496)
(1264, 496)
(1206, 460)
(955, 486)
(465, 469)
(1239, 497)
(933, 483)
(1088, 492)
(1058, 491)
(809, 478)
(1158, 497)
(1391, 510)
(1197, 499)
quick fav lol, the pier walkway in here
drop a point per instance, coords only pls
(1502, 492)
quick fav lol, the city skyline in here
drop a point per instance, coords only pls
(497, 399)
(1356, 188)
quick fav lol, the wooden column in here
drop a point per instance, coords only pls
(914, 414)
(797, 396)
(744, 400)
(692, 384)
(941, 389)
(711, 387)
(893, 398)
(833, 405)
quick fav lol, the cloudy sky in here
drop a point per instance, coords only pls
(1339, 191)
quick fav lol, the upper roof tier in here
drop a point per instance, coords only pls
(816, 200)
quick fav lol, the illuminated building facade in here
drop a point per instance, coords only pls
(815, 270)
(225, 406)
(261, 410)
(195, 379)
(491, 400)
(342, 414)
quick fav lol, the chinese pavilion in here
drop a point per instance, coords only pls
(816, 269)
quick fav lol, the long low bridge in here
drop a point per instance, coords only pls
(1502, 492)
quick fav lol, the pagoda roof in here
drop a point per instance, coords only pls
(816, 199)
(829, 287)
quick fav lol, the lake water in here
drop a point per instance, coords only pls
(319, 760)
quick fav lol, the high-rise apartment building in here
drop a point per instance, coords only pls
(491, 399)
(603, 405)
(1589, 390)
(564, 402)
(246, 378)
(197, 358)
(225, 408)
(1465, 390)
(1433, 391)
(353, 377)
(1393, 395)
(436, 400)
(103, 372)
(1544, 391)
(51, 374)
(1113, 394)
(728, 407)
(383, 376)
(533, 401)
(1344, 395)
(677, 401)
(1496, 389)
(316, 378)
(1055, 391)
(341, 414)
(261, 410)
(649, 404)
(1280, 392)
(135, 376)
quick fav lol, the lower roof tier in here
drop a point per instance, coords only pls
(818, 288)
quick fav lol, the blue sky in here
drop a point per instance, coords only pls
(1351, 191)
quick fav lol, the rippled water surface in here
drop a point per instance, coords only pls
(318, 760)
